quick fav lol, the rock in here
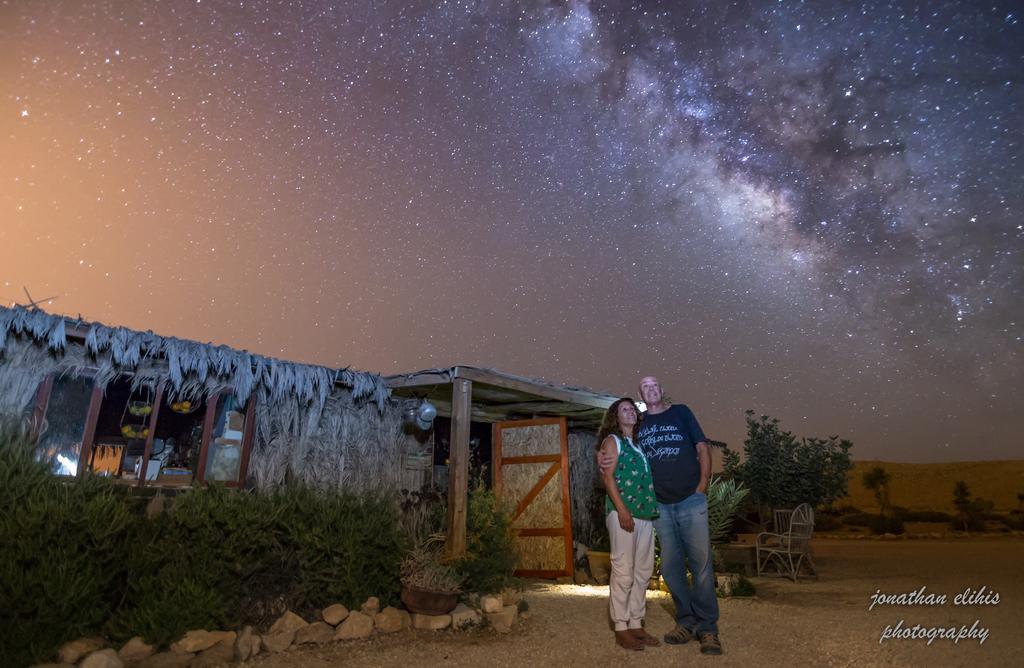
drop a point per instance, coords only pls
(316, 633)
(243, 644)
(255, 645)
(431, 622)
(198, 640)
(564, 580)
(334, 614)
(371, 607)
(509, 596)
(491, 603)
(390, 620)
(289, 621)
(463, 616)
(167, 660)
(726, 582)
(73, 651)
(502, 621)
(222, 652)
(356, 625)
(135, 650)
(53, 665)
(104, 658)
(278, 642)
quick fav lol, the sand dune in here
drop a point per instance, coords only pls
(930, 486)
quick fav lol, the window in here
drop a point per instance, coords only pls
(63, 427)
(224, 454)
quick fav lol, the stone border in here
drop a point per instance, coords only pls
(198, 648)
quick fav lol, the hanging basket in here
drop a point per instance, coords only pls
(184, 407)
(140, 408)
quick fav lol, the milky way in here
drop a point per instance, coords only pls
(813, 210)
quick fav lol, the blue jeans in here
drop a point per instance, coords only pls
(685, 539)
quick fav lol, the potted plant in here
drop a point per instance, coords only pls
(430, 584)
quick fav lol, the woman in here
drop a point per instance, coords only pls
(629, 507)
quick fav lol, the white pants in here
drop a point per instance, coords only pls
(632, 565)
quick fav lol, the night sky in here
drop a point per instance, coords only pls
(810, 209)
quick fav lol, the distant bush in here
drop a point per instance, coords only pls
(847, 509)
(858, 520)
(824, 522)
(925, 516)
(881, 524)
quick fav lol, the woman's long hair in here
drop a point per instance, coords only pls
(610, 421)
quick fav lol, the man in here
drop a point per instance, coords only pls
(680, 462)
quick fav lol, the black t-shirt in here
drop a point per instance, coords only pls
(669, 439)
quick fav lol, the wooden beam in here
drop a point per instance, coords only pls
(561, 394)
(458, 466)
(436, 377)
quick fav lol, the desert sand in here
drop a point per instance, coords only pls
(811, 623)
(930, 486)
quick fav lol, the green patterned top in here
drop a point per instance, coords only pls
(633, 477)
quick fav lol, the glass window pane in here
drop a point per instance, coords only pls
(60, 443)
(224, 456)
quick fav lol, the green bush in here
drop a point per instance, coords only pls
(62, 553)
(245, 557)
(77, 558)
(490, 557)
(782, 471)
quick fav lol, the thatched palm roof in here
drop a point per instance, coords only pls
(190, 364)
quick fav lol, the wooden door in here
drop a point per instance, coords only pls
(531, 475)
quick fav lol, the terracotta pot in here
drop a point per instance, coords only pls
(429, 602)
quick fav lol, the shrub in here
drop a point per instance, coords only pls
(724, 499)
(245, 557)
(743, 587)
(848, 509)
(490, 557)
(78, 557)
(62, 553)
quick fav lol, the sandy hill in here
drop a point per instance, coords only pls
(930, 486)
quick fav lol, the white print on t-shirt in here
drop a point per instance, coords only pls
(656, 434)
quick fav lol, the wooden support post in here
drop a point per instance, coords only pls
(458, 466)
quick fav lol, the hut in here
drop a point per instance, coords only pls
(160, 412)
(533, 440)
(155, 411)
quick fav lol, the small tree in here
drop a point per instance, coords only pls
(877, 480)
(969, 511)
(783, 471)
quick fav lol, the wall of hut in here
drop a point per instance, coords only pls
(585, 488)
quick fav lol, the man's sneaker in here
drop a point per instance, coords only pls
(709, 644)
(680, 635)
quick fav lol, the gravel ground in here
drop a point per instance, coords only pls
(825, 622)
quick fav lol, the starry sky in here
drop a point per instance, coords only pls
(811, 209)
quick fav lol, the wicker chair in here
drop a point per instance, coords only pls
(789, 546)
